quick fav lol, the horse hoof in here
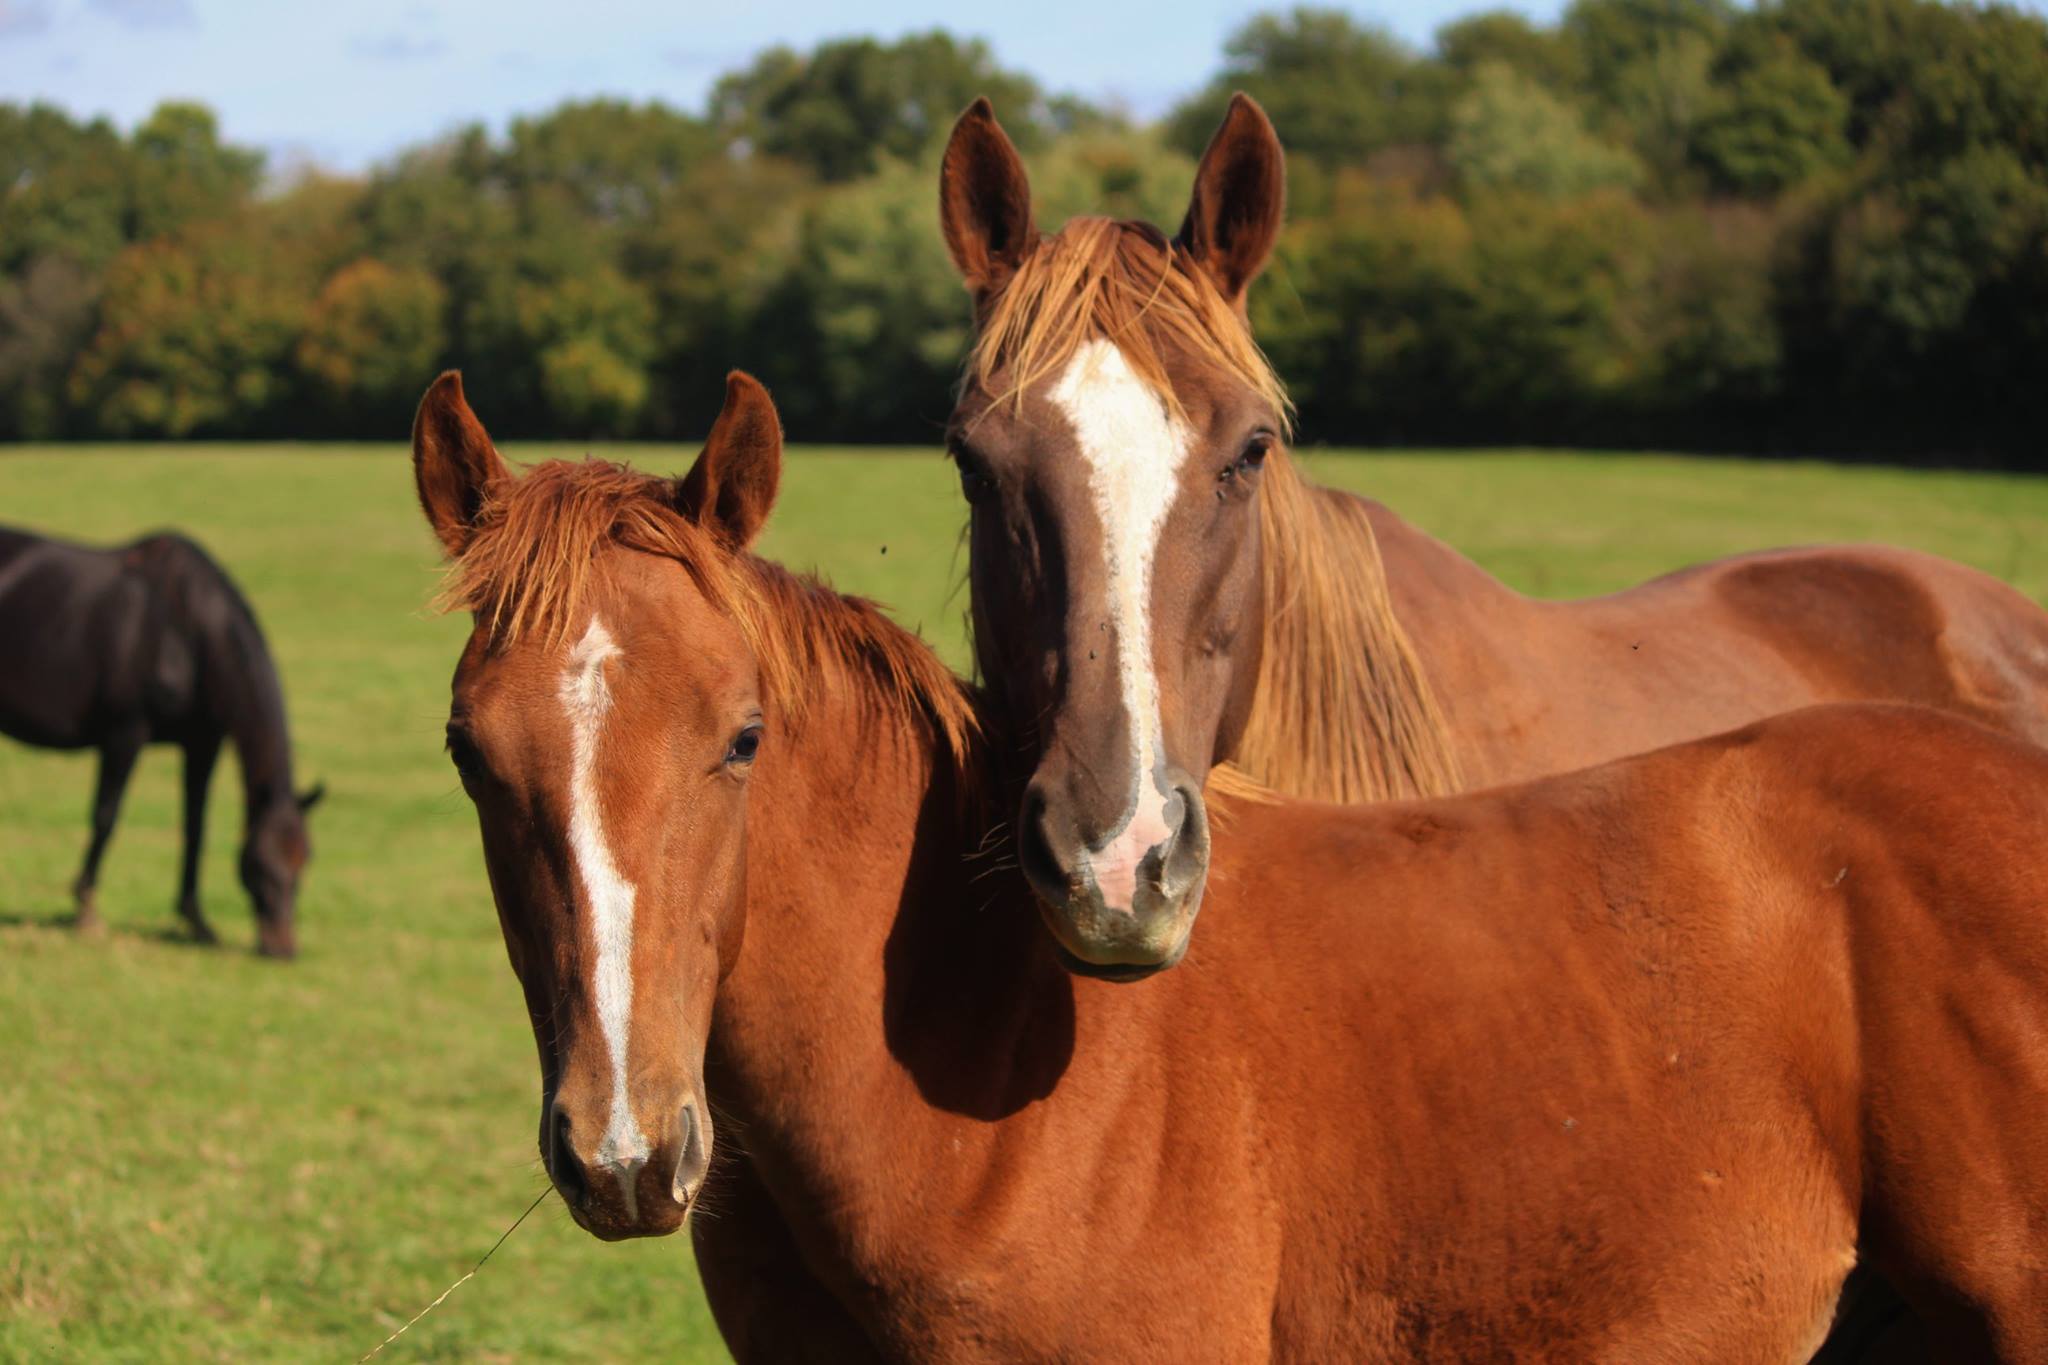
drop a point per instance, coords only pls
(202, 932)
(88, 921)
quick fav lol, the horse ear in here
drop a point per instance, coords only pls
(1240, 197)
(732, 485)
(984, 201)
(453, 462)
(311, 797)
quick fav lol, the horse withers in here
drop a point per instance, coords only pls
(151, 643)
(1156, 589)
(1636, 1063)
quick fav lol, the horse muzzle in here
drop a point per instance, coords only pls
(1124, 906)
(642, 1189)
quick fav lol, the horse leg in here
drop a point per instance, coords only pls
(117, 764)
(199, 759)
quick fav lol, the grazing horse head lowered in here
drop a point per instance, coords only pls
(604, 720)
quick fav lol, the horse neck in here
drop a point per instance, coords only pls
(249, 705)
(888, 974)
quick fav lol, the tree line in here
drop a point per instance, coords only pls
(1812, 226)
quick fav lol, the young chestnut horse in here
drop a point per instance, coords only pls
(150, 643)
(1632, 1064)
(1155, 588)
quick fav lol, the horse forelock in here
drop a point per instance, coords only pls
(526, 570)
(1122, 281)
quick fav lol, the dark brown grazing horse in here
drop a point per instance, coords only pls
(1628, 1065)
(1156, 589)
(151, 643)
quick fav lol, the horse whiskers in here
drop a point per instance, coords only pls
(993, 844)
(1006, 865)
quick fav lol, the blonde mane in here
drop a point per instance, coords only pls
(528, 561)
(1344, 710)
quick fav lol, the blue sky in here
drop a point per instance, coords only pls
(347, 82)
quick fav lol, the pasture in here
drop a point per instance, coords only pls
(212, 1156)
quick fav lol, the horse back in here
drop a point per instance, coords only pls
(1878, 623)
(1748, 985)
(100, 640)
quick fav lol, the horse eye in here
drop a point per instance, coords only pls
(1253, 458)
(975, 483)
(462, 750)
(745, 745)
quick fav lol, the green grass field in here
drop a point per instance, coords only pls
(208, 1156)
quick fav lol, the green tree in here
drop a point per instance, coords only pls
(724, 238)
(1774, 120)
(371, 339)
(1509, 39)
(1615, 37)
(593, 333)
(1127, 175)
(1361, 308)
(1911, 266)
(183, 173)
(193, 340)
(1713, 327)
(1509, 133)
(610, 161)
(592, 388)
(1337, 91)
(1657, 101)
(848, 105)
(866, 333)
(443, 208)
(64, 188)
(1554, 339)
(46, 313)
(1929, 80)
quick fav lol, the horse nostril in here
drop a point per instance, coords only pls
(1185, 853)
(1178, 804)
(694, 1158)
(563, 1167)
(1035, 856)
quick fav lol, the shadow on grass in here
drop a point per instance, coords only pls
(174, 935)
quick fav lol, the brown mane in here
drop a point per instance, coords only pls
(1344, 710)
(527, 565)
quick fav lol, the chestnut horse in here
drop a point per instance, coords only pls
(1632, 1064)
(1156, 589)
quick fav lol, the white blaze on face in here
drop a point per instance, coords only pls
(609, 896)
(1133, 448)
